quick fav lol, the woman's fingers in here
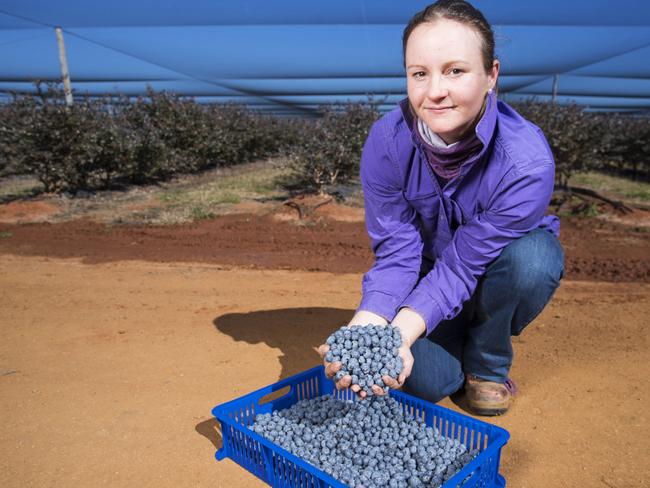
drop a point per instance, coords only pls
(345, 382)
(331, 369)
(408, 360)
(322, 350)
(391, 382)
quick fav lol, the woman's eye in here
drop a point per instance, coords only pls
(455, 71)
(418, 74)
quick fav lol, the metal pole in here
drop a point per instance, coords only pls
(556, 78)
(64, 68)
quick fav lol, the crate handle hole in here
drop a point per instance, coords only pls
(276, 395)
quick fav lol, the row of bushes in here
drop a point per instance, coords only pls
(328, 149)
(625, 146)
(98, 143)
(583, 141)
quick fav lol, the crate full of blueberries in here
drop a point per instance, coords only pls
(317, 436)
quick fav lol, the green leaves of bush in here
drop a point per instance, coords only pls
(98, 143)
(571, 135)
(625, 147)
(112, 140)
(329, 148)
(582, 141)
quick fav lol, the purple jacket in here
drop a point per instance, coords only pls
(451, 234)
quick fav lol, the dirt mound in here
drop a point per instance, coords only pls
(595, 249)
(20, 211)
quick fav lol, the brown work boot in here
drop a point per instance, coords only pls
(486, 397)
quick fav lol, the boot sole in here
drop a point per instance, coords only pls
(489, 410)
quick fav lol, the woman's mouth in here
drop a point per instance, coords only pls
(439, 110)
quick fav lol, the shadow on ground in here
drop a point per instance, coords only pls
(297, 332)
(211, 430)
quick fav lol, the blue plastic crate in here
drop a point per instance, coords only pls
(278, 467)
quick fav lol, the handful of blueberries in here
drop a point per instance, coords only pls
(365, 444)
(366, 353)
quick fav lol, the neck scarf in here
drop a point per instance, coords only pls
(446, 160)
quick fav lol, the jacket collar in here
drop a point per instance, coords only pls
(485, 128)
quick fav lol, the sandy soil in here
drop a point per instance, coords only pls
(109, 370)
(117, 340)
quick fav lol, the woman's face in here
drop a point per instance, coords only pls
(446, 79)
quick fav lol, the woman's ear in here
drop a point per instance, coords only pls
(494, 75)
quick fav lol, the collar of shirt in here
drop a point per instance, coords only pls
(433, 138)
(484, 129)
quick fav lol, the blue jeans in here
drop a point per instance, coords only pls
(513, 291)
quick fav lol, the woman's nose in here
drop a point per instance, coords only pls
(437, 88)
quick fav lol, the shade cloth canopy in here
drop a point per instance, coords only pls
(292, 56)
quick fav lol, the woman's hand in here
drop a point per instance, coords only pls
(332, 368)
(407, 367)
(412, 326)
(362, 317)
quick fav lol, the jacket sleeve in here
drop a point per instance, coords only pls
(518, 205)
(393, 229)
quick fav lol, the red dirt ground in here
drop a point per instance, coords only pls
(116, 342)
(595, 249)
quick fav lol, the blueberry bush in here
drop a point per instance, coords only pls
(112, 141)
(328, 150)
(107, 141)
(583, 141)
